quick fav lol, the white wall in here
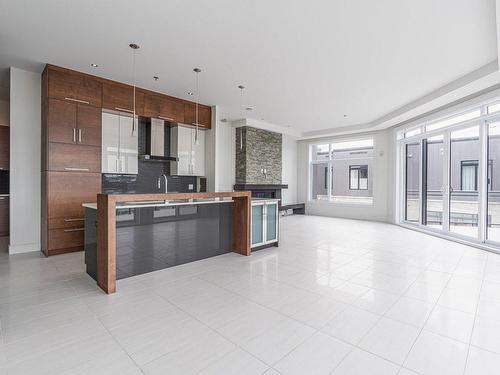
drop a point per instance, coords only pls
(378, 211)
(25, 135)
(210, 151)
(224, 156)
(289, 169)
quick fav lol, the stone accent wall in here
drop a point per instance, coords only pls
(260, 149)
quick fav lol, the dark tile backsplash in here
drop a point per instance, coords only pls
(146, 181)
(4, 182)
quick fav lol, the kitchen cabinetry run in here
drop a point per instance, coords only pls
(190, 154)
(120, 147)
(71, 155)
(4, 147)
(265, 222)
(4, 216)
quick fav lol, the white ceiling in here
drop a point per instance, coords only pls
(305, 64)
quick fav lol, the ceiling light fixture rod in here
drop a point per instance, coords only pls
(134, 47)
(241, 87)
(197, 71)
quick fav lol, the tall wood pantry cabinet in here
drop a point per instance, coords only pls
(71, 156)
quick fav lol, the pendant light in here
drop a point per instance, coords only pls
(134, 47)
(196, 138)
(241, 87)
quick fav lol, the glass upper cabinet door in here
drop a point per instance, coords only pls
(257, 224)
(271, 221)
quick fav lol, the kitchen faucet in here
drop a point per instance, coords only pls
(166, 182)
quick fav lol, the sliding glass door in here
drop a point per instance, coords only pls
(433, 186)
(413, 158)
(442, 182)
(450, 174)
(465, 157)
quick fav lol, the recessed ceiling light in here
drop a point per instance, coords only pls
(156, 78)
(190, 93)
(94, 65)
(345, 115)
(249, 108)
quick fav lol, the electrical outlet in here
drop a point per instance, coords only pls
(190, 187)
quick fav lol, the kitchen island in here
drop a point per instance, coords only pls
(127, 234)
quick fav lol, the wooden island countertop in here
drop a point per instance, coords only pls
(106, 226)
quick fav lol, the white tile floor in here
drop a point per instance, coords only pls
(337, 297)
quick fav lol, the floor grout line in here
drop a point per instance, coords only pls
(475, 315)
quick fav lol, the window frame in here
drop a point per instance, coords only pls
(358, 167)
(330, 199)
(469, 163)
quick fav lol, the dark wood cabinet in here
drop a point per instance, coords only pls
(171, 109)
(204, 115)
(70, 158)
(4, 216)
(163, 107)
(88, 123)
(63, 194)
(120, 97)
(61, 122)
(4, 147)
(74, 87)
(73, 123)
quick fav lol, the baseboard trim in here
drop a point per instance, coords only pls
(24, 248)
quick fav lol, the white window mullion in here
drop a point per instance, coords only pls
(482, 182)
(329, 172)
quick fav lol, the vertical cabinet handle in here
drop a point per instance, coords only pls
(79, 135)
(74, 135)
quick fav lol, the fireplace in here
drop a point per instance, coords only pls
(262, 190)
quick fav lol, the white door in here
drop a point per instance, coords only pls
(129, 146)
(198, 154)
(110, 139)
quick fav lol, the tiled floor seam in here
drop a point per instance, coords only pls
(429, 315)
(475, 315)
(120, 346)
(214, 331)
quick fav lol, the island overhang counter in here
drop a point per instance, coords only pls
(106, 223)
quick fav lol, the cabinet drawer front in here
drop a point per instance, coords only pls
(61, 124)
(74, 158)
(67, 223)
(67, 191)
(66, 238)
(74, 86)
